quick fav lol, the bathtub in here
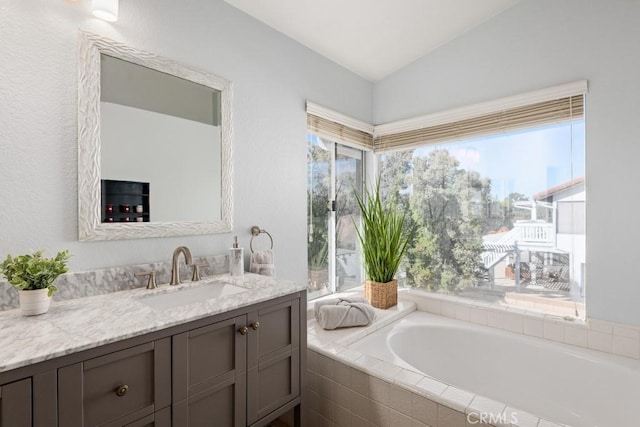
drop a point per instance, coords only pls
(558, 382)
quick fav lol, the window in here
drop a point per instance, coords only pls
(498, 217)
(496, 193)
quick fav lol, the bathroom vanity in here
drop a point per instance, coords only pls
(132, 359)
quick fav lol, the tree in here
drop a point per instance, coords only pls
(446, 206)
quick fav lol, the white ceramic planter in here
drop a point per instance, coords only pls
(34, 302)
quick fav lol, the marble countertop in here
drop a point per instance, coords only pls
(79, 324)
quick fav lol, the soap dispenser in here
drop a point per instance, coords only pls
(236, 259)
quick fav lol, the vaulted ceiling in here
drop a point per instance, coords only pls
(373, 38)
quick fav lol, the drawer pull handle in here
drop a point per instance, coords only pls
(244, 330)
(122, 390)
(255, 326)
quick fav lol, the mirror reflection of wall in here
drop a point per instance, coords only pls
(164, 130)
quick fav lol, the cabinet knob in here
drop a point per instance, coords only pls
(255, 326)
(244, 330)
(122, 390)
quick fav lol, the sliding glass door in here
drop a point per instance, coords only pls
(334, 173)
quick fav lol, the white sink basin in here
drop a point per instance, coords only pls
(188, 296)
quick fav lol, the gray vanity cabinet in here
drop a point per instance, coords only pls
(15, 403)
(236, 372)
(209, 375)
(116, 389)
(273, 358)
(235, 369)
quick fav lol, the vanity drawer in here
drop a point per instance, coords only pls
(117, 388)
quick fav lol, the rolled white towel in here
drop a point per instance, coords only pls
(344, 312)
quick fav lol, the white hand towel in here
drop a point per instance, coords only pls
(261, 262)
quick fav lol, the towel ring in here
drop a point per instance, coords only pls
(256, 231)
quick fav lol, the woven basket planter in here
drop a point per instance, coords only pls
(381, 295)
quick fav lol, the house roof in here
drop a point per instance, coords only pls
(559, 188)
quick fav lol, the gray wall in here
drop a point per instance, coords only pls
(542, 43)
(537, 44)
(272, 77)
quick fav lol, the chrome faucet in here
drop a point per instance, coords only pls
(175, 267)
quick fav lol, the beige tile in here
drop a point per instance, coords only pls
(520, 418)
(575, 335)
(359, 381)
(342, 373)
(312, 381)
(341, 395)
(448, 309)
(350, 355)
(433, 306)
(325, 386)
(312, 360)
(400, 399)
(513, 322)
(495, 319)
(398, 419)
(424, 410)
(406, 376)
(314, 401)
(463, 312)
(357, 421)
(325, 366)
(628, 347)
(326, 407)
(385, 370)
(626, 331)
(341, 416)
(554, 330)
(359, 404)
(415, 423)
(430, 387)
(600, 341)
(598, 325)
(486, 408)
(479, 315)
(379, 390)
(447, 417)
(379, 414)
(533, 326)
(457, 399)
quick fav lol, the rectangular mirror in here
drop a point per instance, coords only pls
(154, 145)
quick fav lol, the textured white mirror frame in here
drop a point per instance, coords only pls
(90, 227)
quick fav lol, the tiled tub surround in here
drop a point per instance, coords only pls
(97, 282)
(348, 387)
(82, 323)
(595, 334)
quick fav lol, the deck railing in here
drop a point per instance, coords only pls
(535, 233)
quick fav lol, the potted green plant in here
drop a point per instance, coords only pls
(34, 275)
(383, 239)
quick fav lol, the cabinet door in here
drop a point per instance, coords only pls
(118, 388)
(158, 419)
(209, 375)
(273, 353)
(15, 404)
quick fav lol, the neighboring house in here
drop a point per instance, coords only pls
(551, 241)
(568, 200)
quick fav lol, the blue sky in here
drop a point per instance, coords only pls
(526, 162)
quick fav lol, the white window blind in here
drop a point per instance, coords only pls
(339, 128)
(562, 103)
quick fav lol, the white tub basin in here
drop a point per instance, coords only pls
(190, 295)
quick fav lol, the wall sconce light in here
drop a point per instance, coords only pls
(105, 9)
